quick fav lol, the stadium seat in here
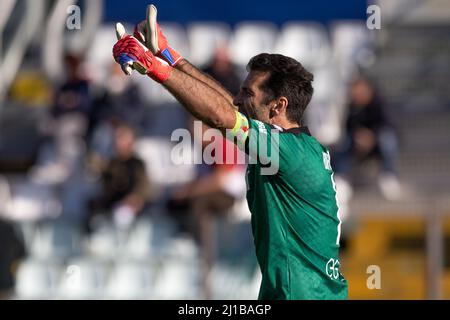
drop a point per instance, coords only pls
(306, 42)
(5, 194)
(83, 278)
(325, 112)
(179, 276)
(37, 280)
(351, 41)
(164, 231)
(150, 238)
(131, 280)
(204, 39)
(240, 211)
(27, 230)
(178, 280)
(30, 201)
(156, 123)
(182, 247)
(223, 282)
(234, 283)
(139, 243)
(252, 290)
(251, 38)
(153, 93)
(56, 239)
(104, 242)
(326, 84)
(234, 241)
(159, 155)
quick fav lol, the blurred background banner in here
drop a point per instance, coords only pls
(234, 11)
(93, 205)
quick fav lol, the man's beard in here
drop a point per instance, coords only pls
(242, 110)
(248, 111)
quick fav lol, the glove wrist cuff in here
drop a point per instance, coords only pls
(170, 56)
(160, 72)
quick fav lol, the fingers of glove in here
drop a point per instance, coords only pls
(129, 62)
(140, 32)
(126, 62)
(139, 67)
(120, 31)
(132, 48)
(127, 52)
(151, 27)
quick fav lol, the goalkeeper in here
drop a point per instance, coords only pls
(295, 218)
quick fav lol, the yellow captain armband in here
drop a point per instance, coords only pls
(239, 133)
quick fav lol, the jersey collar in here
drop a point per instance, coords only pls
(296, 130)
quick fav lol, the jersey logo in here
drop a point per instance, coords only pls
(326, 160)
(332, 268)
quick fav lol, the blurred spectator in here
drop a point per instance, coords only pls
(73, 95)
(369, 134)
(12, 250)
(66, 126)
(222, 69)
(125, 187)
(120, 98)
(213, 193)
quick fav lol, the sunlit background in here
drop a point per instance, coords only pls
(64, 105)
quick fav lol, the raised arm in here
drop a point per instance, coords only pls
(197, 97)
(201, 100)
(194, 72)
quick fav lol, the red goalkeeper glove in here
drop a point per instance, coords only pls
(131, 54)
(149, 33)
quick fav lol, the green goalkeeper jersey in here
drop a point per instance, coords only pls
(295, 219)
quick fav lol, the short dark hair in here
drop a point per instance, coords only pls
(288, 78)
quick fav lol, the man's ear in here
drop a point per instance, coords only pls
(279, 106)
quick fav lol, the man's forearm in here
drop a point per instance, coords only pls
(202, 101)
(194, 72)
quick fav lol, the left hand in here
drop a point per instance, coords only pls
(131, 54)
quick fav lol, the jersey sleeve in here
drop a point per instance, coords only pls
(259, 141)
